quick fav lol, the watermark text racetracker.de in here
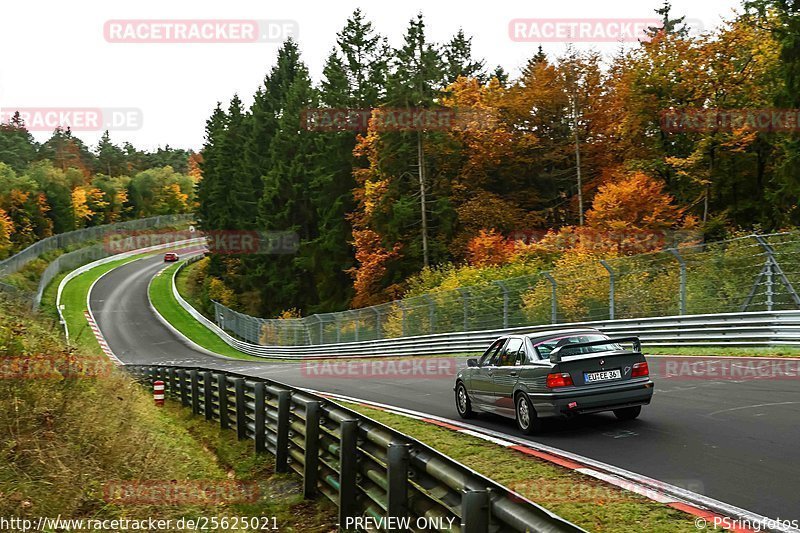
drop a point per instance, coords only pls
(75, 118)
(201, 523)
(175, 492)
(385, 119)
(589, 30)
(700, 120)
(406, 368)
(205, 31)
(567, 491)
(726, 369)
(59, 366)
(228, 242)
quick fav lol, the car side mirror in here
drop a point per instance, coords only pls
(472, 363)
(555, 355)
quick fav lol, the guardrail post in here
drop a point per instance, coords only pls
(195, 377)
(348, 467)
(173, 382)
(208, 395)
(553, 297)
(397, 477)
(682, 263)
(612, 284)
(241, 409)
(222, 392)
(475, 511)
(259, 393)
(185, 400)
(311, 459)
(282, 441)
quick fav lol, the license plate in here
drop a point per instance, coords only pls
(606, 375)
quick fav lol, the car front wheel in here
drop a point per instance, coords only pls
(628, 413)
(527, 421)
(462, 402)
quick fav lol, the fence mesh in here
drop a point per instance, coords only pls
(752, 273)
(72, 260)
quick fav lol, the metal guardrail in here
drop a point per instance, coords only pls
(362, 466)
(776, 328)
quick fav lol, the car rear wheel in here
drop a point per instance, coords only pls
(527, 421)
(628, 413)
(462, 402)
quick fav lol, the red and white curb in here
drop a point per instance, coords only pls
(706, 511)
(100, 338)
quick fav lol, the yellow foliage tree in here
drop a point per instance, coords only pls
(489, 248)
(6, 229)
(80, 207)
(636, 202)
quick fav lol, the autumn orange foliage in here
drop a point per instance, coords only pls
(372, 258)
(489, 248)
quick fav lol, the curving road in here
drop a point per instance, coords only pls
(735, 441)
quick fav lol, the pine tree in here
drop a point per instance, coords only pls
(286, 202)
(458, 60)
(669, 25)
(211, 167)
(17, 146)
(110, 158)
(500, 75)
(364, 60)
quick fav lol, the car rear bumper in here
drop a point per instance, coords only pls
(584, 402)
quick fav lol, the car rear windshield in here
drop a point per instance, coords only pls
(544, 348)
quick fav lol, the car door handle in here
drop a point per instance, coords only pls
(514, 374)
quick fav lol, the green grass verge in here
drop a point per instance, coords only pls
(590, 503)
(73, 298)
(165, 303)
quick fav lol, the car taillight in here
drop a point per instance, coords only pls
(640, 370)
(555, 381)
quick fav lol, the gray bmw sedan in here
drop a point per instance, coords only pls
(555, 374)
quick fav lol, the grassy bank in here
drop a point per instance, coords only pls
(73, 298)
(165, 303)
(75, 428)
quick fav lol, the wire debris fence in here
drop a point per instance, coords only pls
(750, 273)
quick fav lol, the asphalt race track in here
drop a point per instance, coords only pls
(735, 441)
